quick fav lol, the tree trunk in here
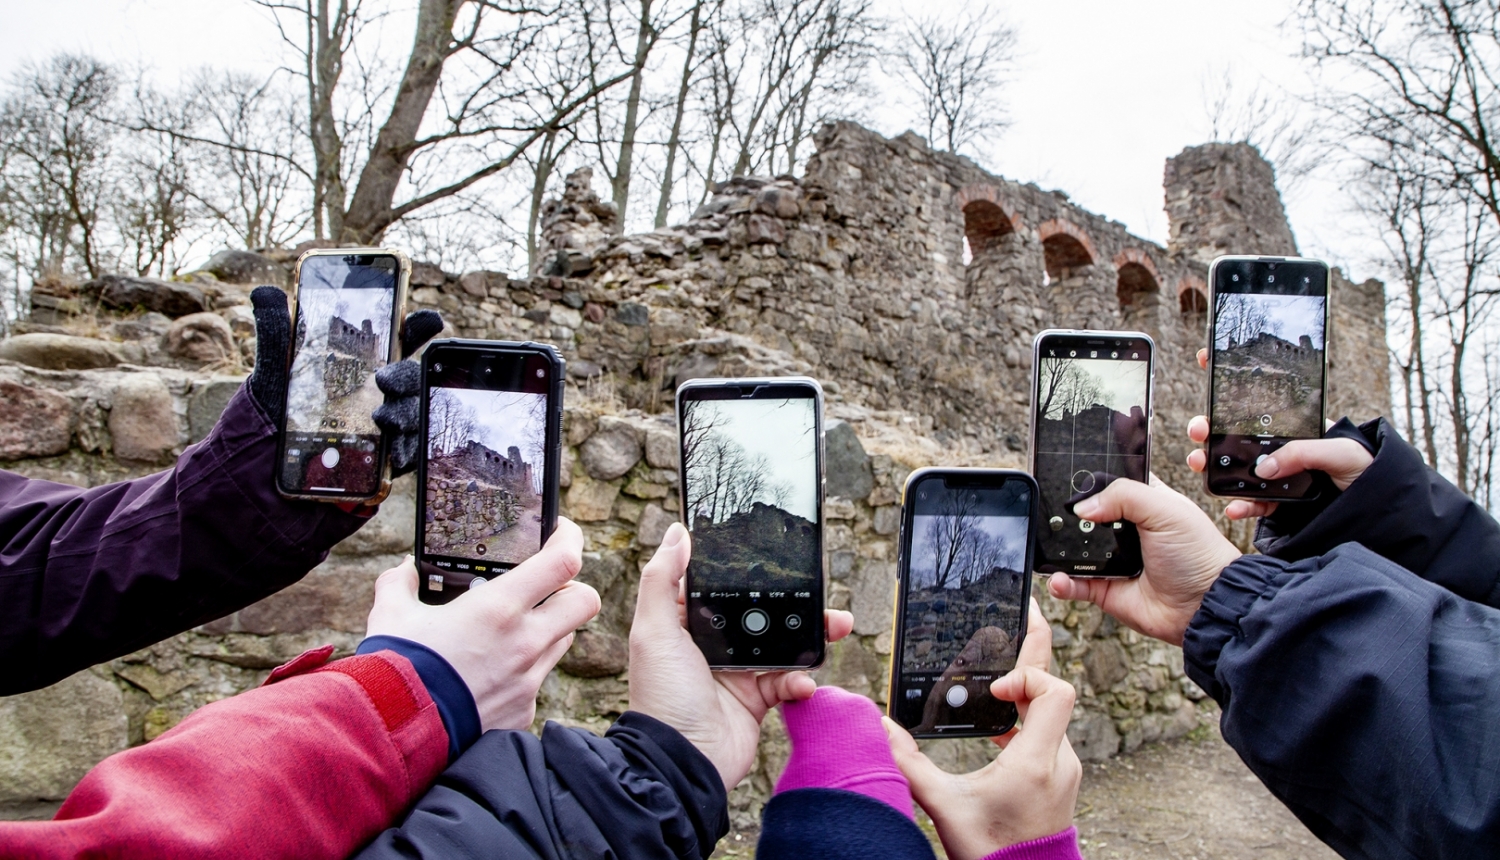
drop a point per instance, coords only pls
(325, 65)
(645, 38)
(675, 138)
(370, 211)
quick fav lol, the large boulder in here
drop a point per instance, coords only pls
(167, 297)
(611, 452)
(203, 338)
(60, 351)
(207, 403)
(34, 422)
(142, 420)
(848, 467)
(246, 267)
(51, 737)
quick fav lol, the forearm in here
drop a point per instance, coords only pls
(1362, 696)
(89, 574)
(312, 765)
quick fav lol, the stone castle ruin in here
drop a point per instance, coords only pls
(910, 282)
(480, 461)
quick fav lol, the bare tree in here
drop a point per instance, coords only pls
(949, 533)
(697, 21)
(955, 68)
(1268, 119)
(1067, 389)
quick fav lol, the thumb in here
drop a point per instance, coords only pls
(273, 333)
(1150, 507)
(395, 590)
(656, 604)
(1342, 459)
(929, 783)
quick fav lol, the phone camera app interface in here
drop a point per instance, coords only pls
(1091, 428)
(755, 589)
(963, 604)
(344, 309)
(486, 443)
(1268, 368)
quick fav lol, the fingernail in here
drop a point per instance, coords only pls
(1267, 468)
(673, 537)
(1086, 509)
(411, 559)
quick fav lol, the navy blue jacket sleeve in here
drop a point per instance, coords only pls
(641, 792)
(831, 824)
(87, 575)
(1401, 509)
(1363, 696)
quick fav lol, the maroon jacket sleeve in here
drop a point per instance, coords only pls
(313, 765)
(87, 575)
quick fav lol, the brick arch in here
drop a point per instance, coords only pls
(1192, 294)
(1137, 276)
(1065, 246)
(988, 217)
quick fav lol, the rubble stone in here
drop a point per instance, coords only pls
(34, 422)
(142, 419)
(59, 351)
(204, 338)
(165, 297)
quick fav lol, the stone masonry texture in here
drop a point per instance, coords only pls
(909, 282)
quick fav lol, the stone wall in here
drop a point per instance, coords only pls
(909, 281)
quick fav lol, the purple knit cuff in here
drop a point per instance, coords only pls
(839, 742)
(1058, 846)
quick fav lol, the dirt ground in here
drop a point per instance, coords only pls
(1188, 800)
(520, 541)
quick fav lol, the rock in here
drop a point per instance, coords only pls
(473, 283)
(887, 520)
(247, 267)
(595, 654)
(871, 588)
(580, 369)
(145, 327)
(1093, 736)
(632, 314)
(661, 447)
(653, 525)
(846, 465)
(241, 320)
(51, 737)
(763, 229)
(1106, 664)
(141, 419)
(34, 422)
(611, 452)
(590, 501)
(207, 403)
(204, 338)
(60, 351)
(602, 570)
(153, 294)
(695, 365)
(780, 202)
(426, 275)
(392, 529)
(336, 595)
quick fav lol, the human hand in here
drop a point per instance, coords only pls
(718, 712)
(503, 637)
(400, 416)
(1183, 553)
(1343, 460)
(1029, 790)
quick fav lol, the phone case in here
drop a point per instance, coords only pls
(403, 278)
(1213, 296)
(822, 512)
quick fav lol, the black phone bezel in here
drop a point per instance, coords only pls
(970, 478)
(551, 467)
(1124, 567)
(1219, 269)
(764, 389)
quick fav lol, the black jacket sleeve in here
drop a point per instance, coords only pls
(1401, 509)
(640, 792)
(1364, 697)
(87, 575)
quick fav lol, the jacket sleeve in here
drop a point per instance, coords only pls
(1401, 509)
(640, 792)
(311, 766)
(1363, 696)
(87, 575)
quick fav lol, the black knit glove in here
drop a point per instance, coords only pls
(400, 417)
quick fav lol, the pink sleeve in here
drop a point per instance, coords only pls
(314, 764)
(839, 742)
(1058, 846)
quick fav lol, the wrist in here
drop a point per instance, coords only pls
(454, 700)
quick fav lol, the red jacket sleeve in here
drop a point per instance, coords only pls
(313, 764)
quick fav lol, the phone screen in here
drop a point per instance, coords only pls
(491, 422)
(752, 499)
(1268, 359)
(343, 331)
(1091, 426)
(965, 580)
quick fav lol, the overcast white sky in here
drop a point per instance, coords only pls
(781, 431)
(1103, 93)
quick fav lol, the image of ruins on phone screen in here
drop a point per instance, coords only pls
(1268, 365)
(484, 474)
(343, 337)
(751, 474)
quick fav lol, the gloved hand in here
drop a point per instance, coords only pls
(398, 416)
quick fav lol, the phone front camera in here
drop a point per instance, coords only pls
(1270, 279)
(437, 367)
(1234, 277)
(540, 373)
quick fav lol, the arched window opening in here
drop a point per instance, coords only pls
(985, 224)
(1192, 296)
(1064, 253)
(1135, 286)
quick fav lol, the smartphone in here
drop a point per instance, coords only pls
(488, 467)
(963, 587)
(752, 498)
(347, 309)
(1090, 425)
(1267, 372)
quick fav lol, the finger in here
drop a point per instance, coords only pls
(1340, 458)
(1064, 587)
(661, 580)
(837, 623)
(1197, 460)
(548, 659)
(399, 416)
(1243, 509)
(1003, 741)
(778, 687)
(930, 784)
(1151, 507)
(1203, 358)
(532, 580)
(417, 329)
(1198, 428)
(569, 608)
(1049, 701)
(402, 379)
(396, 585)
(1036, 648)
